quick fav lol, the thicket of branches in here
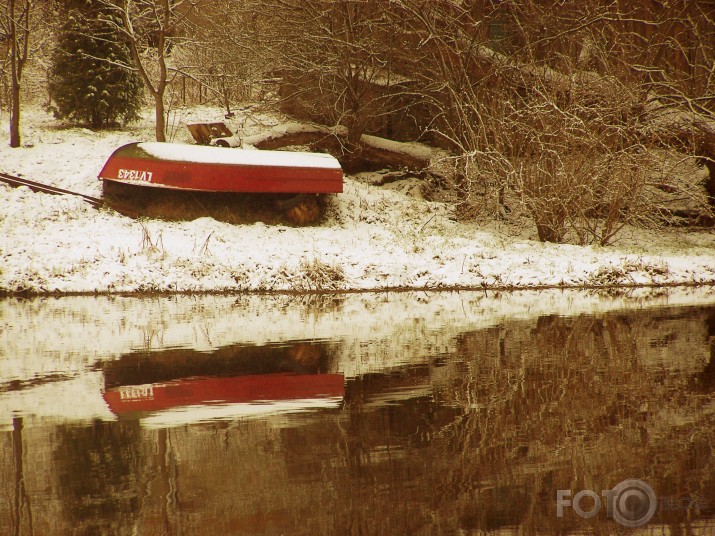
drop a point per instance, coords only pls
(563, 103)
(560, 109)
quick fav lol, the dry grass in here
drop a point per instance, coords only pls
(317, 275)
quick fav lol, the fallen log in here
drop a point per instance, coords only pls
(371, 153)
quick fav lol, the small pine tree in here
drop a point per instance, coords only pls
(90, 82)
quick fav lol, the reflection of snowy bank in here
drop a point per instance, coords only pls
(70, 334)
(56, 352)
(77, 398)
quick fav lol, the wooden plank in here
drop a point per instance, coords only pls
(203, 133)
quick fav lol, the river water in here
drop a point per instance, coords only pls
(407, 413)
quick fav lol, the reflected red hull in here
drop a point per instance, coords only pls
(240, 389)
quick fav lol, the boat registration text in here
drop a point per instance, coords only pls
(135, 175)
(136, 393)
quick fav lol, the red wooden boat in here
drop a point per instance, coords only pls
(216, 169)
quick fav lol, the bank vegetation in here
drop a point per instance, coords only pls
(580, 117)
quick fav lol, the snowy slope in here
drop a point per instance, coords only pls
(373, 238)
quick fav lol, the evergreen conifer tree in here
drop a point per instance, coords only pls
(90, 82)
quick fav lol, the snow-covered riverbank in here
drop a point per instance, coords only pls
(373, 238)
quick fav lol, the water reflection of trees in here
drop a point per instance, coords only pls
(97, 476)
(567, 403)
(705, 381)
(523, 410)
(476, 440)
(21, 512)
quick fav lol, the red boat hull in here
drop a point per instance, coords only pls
(217, 169)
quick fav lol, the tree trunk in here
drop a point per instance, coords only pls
(15, 113)
(16, 62)
(159, 116)
(710, 183)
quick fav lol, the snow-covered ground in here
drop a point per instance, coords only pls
(373, 238)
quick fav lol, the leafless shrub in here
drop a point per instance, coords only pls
(559, 110)
(317, 275)
(205, 251)
(148, 244)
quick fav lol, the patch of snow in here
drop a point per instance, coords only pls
(202, 154)
(289, 127)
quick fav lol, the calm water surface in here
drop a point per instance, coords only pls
(358, 414)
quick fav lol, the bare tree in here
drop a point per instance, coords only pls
(337, 60)
(549, 100)
(15, 30)
(153, 28)
(228, 57)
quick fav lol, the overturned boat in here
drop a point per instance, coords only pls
(294, 179)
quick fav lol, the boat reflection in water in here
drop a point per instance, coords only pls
(178, 386)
